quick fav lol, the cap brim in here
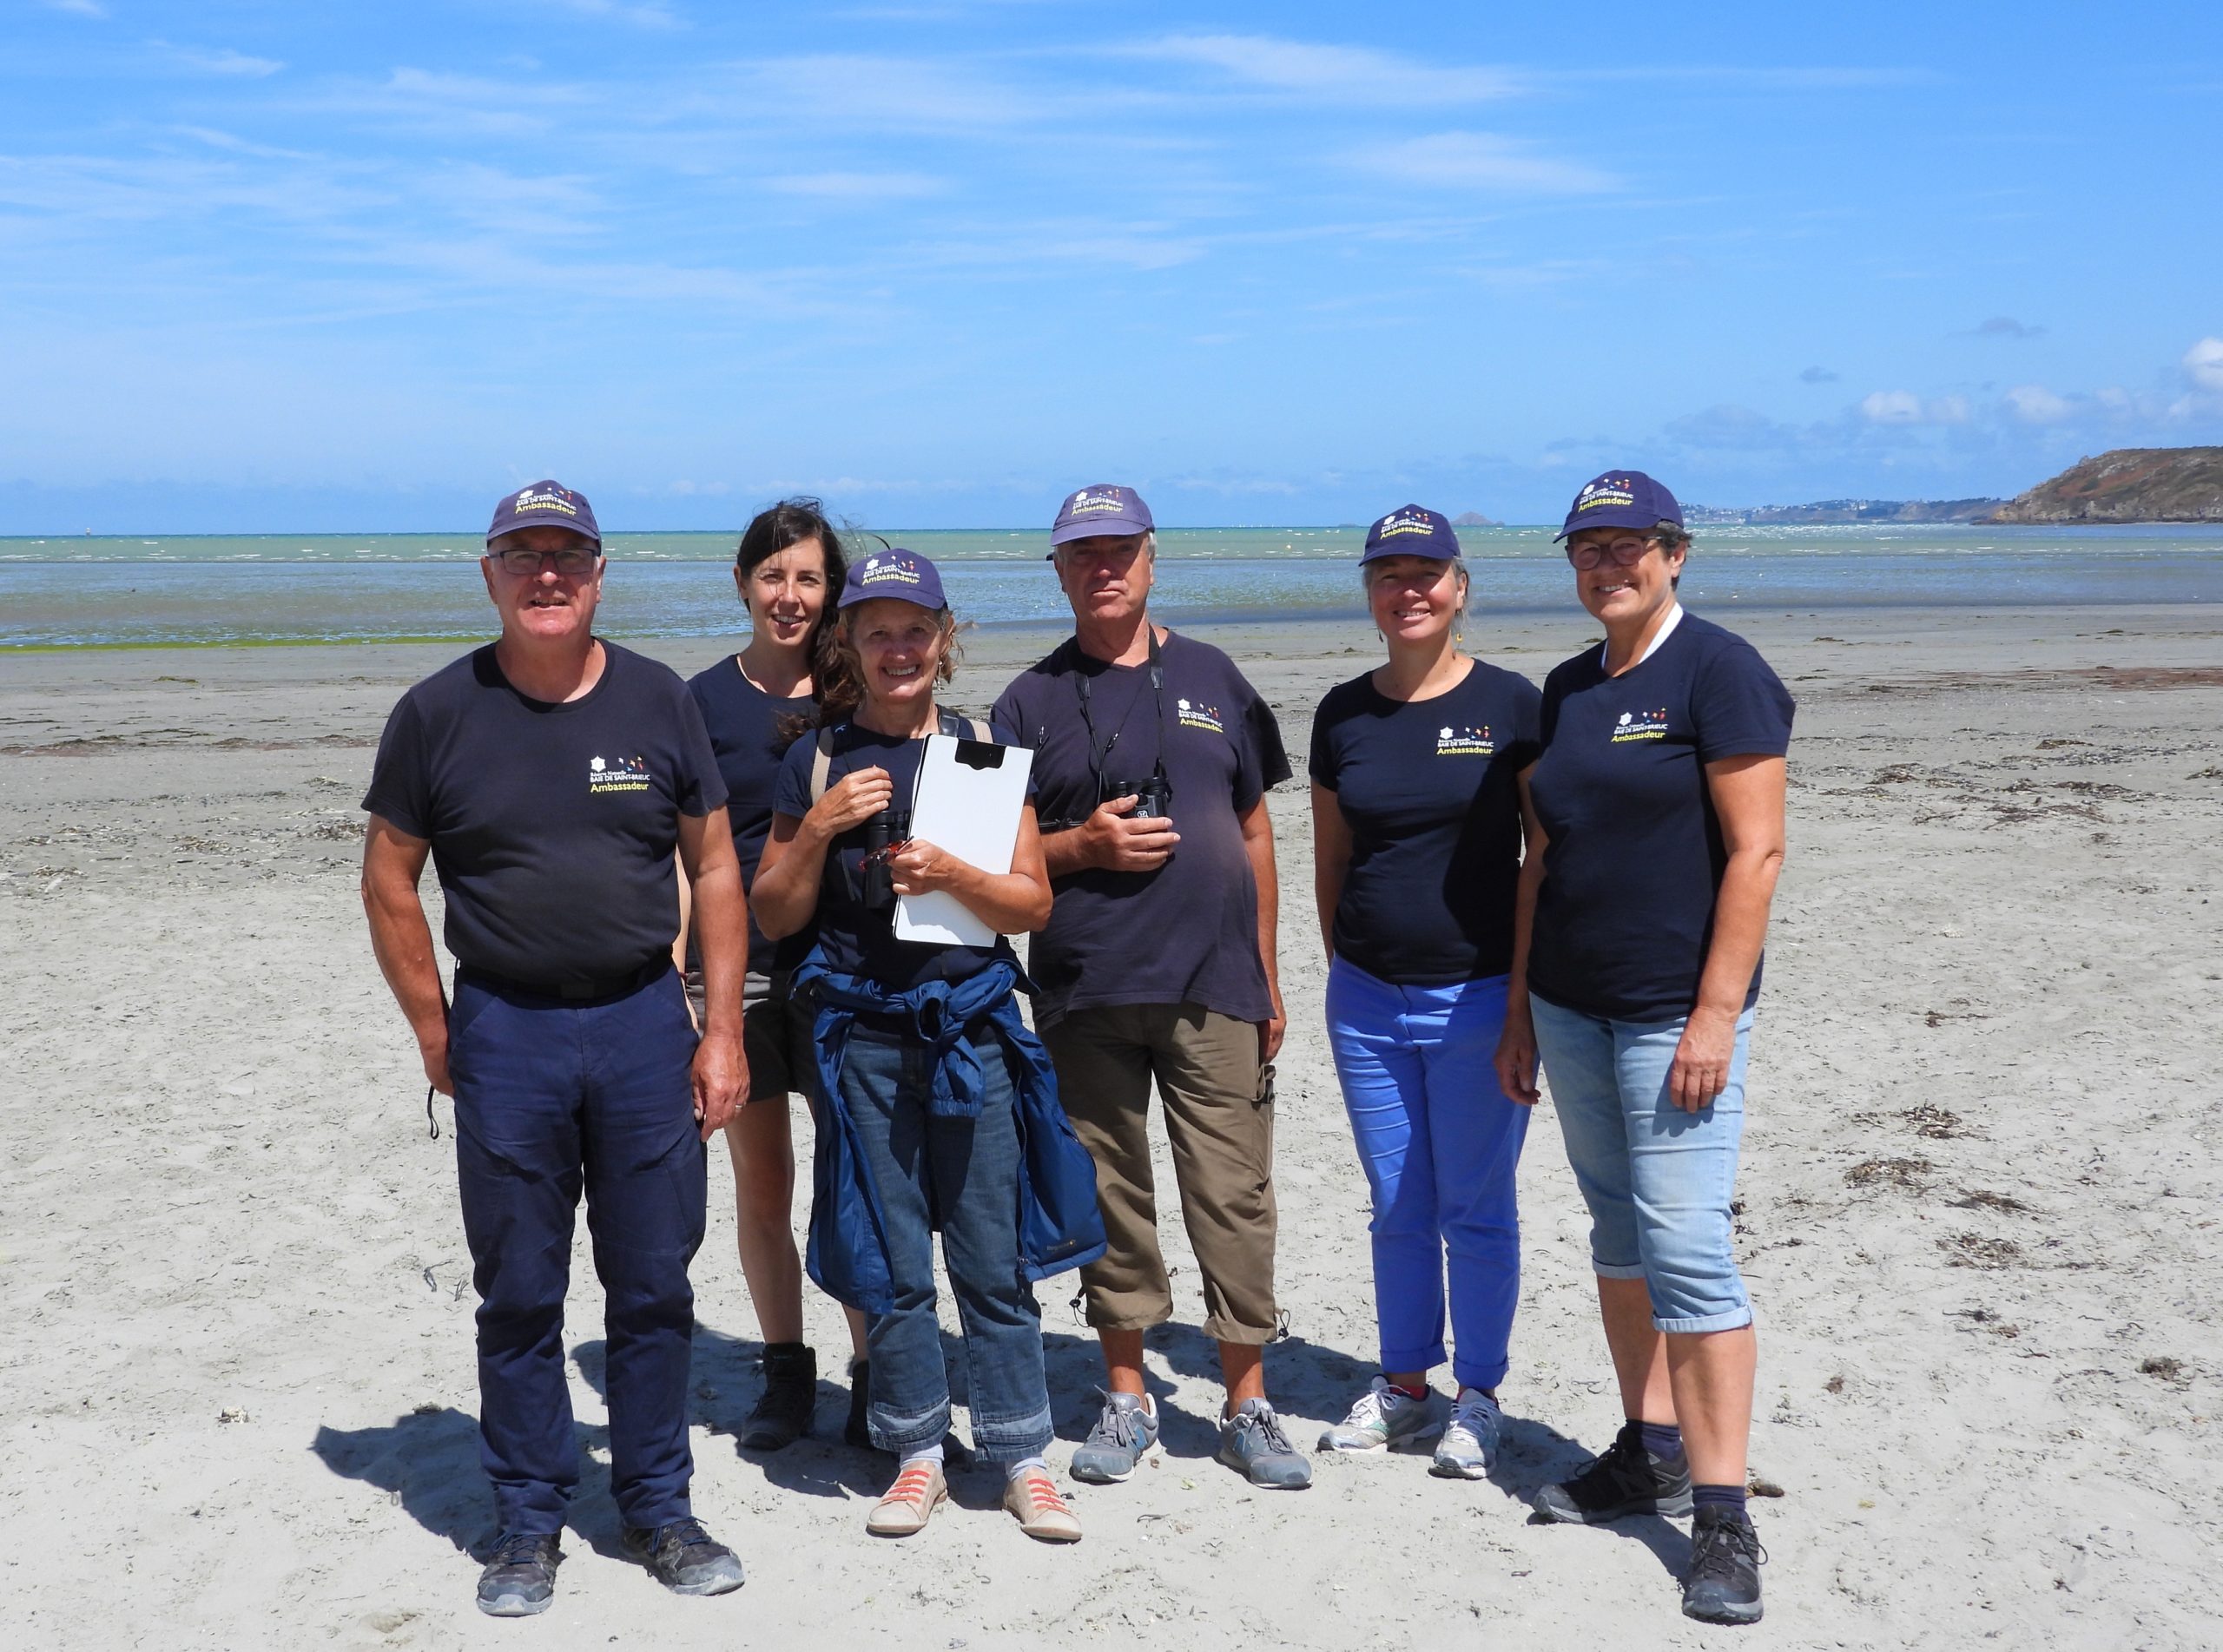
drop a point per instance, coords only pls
(916, 599)
(572, 529)
(1432, 551)
(1611, 516)
(1099, 527)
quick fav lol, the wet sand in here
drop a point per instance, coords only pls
(1980, 1212)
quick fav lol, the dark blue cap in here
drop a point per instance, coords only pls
(1106, 510)
(904, 574)
(1411, 530)
(544, 504)
(1620, 499)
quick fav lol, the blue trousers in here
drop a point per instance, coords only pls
(959, 1175)
(551, 1098)
(1440, 1145)
(1658, 1181)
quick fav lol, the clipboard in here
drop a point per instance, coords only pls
(968, 801)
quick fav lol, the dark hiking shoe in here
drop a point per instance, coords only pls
(1626, 1480)
(781, 1414)
(858, 1430)
(1724, 1585)
(520, 1576)
(686, 1559)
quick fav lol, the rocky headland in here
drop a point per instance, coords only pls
(2129, 484)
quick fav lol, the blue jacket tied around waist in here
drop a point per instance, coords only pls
(1058, 1224)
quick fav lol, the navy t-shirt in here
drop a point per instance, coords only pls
(1626, 912)
(745, 725)
(552, 826)
(1188, 932)
(1430, 792)
(852, 938)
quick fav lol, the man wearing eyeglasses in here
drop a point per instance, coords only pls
(1152, 757)
(553, 778)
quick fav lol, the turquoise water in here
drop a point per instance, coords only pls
(272, 588)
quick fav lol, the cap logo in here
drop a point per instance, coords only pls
(878, 569)
(1089, 503)
(1605, 490)
(1405, 522)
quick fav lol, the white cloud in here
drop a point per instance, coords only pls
(78, 7)
(1904, 407)
(2035, 404)
(2203, 365)
(860, 185)
(1301, 66)
(218, 60)
(1476, 161)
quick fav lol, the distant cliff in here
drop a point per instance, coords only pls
(1836, 510)
(2130, 484)
(1475, 519)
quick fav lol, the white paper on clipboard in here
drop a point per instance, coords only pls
(968, 802)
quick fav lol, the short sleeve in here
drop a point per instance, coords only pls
(1740, 705)
(1261, 761)
(1527, 722)
(791, 793)
(1325, 764)
(401, 783)
(697, 786)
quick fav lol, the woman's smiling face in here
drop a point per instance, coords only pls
(899, 646)
(1618, 592)
(786, 592)
(1415, 599)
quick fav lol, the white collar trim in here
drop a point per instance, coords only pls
(1666, 629)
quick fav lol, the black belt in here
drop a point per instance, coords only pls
(576, 991)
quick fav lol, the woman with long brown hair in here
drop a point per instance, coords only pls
(789, 567)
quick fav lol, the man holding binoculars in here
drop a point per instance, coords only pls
(1152, 759)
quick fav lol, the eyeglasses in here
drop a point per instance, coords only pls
(572, 559)
(1626, 553)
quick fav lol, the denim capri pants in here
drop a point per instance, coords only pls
(1658, 1180)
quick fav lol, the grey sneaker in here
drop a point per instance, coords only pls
(1469, 1450)
(1385, 1416)
(685, 1558)
(1252, 1440)
(1124, 1429)
(520, 1576)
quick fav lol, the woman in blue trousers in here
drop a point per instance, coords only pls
(933, 1097)
(1658, 811)
(1417, 836)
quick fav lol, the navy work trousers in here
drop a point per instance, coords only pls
(551, 1098)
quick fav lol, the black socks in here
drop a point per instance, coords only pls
(1663, 1440)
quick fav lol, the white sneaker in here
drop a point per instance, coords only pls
(1469, 1450)
(1385, 1416)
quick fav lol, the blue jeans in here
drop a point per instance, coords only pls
(551, 1098)
(1658, 1180)
(959, 1175)
(1440, 1143)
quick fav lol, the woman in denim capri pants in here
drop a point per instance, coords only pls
(1657, 834)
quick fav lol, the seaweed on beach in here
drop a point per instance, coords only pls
(1974, 1250)
(1984, 1199)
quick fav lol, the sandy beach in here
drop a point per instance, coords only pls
(1981, 1216)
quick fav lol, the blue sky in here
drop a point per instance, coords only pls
(283, 266)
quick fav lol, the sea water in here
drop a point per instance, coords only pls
(147, 590)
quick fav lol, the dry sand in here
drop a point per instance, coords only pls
(1980, 1215)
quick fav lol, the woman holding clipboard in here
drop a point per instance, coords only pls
(938, 1105)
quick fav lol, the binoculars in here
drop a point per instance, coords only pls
(1153, 797)
(883, 833)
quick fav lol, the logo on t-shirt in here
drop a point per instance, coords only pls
(1465, 742)
(1196, 716)
(617, 774)
(1640, 725)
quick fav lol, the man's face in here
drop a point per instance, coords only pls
(1106, 578)
(550, 596)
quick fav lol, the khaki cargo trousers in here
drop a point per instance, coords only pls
(1221, 1134)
